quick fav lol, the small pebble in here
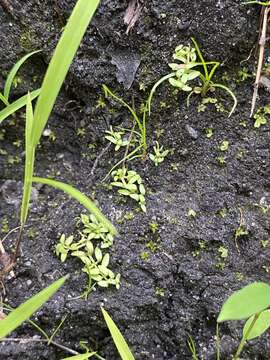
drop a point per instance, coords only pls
(192, 132)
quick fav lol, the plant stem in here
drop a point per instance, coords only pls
(218, 343)
(244, 338)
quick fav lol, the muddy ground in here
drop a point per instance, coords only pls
(178, 289)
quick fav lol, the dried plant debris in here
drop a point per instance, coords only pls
(132, 14)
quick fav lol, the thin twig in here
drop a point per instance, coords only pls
(262, 41)
(27, 340)
(99, 157)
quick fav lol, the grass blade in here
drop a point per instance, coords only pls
(16, 105)
(29, 161)
(118, 338)
(61, 61)
(81, 356)
(3, 99)
(24, 311)
(81, 198)
(13, 73)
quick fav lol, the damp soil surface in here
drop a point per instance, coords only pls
(180, 260)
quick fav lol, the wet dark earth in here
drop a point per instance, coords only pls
(197, 198)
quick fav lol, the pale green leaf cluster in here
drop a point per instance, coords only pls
(260, 116)
(159, 154)
(116, 138)
(130, 184)
(93, 237)
(95, 230)
(192, 66)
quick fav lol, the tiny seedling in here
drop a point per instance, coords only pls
(130, 184)
(224, 145)
(187, 70)
(116, 138)
(260, 116)
(95, 263)
(159, 154)
(140, 122)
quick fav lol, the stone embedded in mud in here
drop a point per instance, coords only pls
(127, 63)
(192, 132)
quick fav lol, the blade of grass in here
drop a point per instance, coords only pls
(16, 105)
(3, 99)
(13, 73)
(29, 161)
(81, 356)
(60, 63)
(118, 338)
(154, 88)
(24, 311)
(81, 198)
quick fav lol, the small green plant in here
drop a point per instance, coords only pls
(243, 74)
(116, 137)
(224, 145)
(189, 69)
(260, 116)
(95, 263)
(140, 122)
(159, 154)
(130, 184)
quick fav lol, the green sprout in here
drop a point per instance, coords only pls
(116, 137)
(188, 69)
(159, 154)
(130, 184)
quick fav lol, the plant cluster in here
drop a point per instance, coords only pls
(191, 66)
(159, 154)
(95, 263)
(260, 116)
(130, 184)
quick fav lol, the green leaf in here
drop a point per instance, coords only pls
(24, 311)
(105, 260)
(118, 338)
(29, 161)
(98, 254)
(260, 326)
(13, 73)
(81, 356)
(16, 105)
(61, 61)
(81, 198)
(246, 302)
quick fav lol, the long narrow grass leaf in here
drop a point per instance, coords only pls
(61, 61)
(16, 105)
(13, 73)
(3, 99)
(230, 93)
(121, 344)
(29, 161)
(80, 356)
(81, 198)
(108, 92)
(24, 311)
(154, 88)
